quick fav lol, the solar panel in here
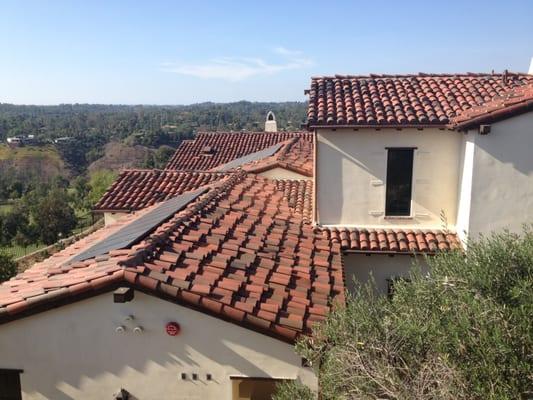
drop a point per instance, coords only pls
(258, 155)
(135, 230)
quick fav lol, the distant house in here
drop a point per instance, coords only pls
(16, 141)
(64, 139)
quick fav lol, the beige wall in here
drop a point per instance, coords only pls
(73, 352)
(282, 173)
(351, 176)
(502, 177)
(381, 267)
(111, 217)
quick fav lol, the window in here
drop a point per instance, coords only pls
(399, 182)
(10, 384)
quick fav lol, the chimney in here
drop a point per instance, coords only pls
(530, 72)
(270, 123)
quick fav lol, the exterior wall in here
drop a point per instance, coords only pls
(282, 173)
(502, 177)
(381, 267)
(351, 176)
(111, 217)
(73, 352)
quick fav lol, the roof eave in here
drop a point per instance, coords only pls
(377, 126)
(495, 116)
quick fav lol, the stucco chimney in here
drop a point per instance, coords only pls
(530, 72)
(270, 123)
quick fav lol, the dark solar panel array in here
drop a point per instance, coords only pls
(137, 229)
(258, 155)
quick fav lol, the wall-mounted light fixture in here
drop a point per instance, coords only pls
(123, 295)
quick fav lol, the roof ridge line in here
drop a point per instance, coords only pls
(418, 75)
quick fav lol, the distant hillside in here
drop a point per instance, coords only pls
(92, 127)
(118, 156)
(43, 163)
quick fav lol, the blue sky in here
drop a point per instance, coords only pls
(163, 52)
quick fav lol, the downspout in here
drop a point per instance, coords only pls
(315, 176)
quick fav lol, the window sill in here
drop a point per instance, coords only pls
(403, 217)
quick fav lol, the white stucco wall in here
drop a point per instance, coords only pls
(502, 176)
(351, 176)
(111, 217)
(73, 352)
(282, 173)
(381, 267)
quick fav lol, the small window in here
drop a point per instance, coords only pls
(10, 384)
(399, 182)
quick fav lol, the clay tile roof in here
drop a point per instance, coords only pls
(515, 101)
(242, 252)
(225, 147)
(403, 100)
(137, 189)
(296, 155)
(392, 241)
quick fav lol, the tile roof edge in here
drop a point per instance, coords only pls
(70, 295)
(417, 75)
(514, 102)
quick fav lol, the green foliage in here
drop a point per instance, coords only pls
(159, 158)
(99, 182)
(54, 217)
(462, 332)
(91, 126)
(293, 390)
(8, 267)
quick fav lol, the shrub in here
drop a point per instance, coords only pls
(461, 332)
(8, 267)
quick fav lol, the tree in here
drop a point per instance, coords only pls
(54, 216)
(99, 182)
(8, 267)
(462, 332)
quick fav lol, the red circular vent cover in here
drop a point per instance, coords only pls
(172, 328)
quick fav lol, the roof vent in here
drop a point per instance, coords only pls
(270, 124)
(208, 150)
(530, 72)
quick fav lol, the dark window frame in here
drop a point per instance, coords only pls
(14, 393)
(390, 212)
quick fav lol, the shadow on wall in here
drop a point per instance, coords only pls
(510, 142)
(76, 346)
(502, 180)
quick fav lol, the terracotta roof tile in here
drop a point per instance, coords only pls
(274, 287)
(137, 189)
(512, 102)
(225, 147)
(295, 155)
(403, 100)
(396, 241)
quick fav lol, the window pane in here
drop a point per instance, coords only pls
(399, 182)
